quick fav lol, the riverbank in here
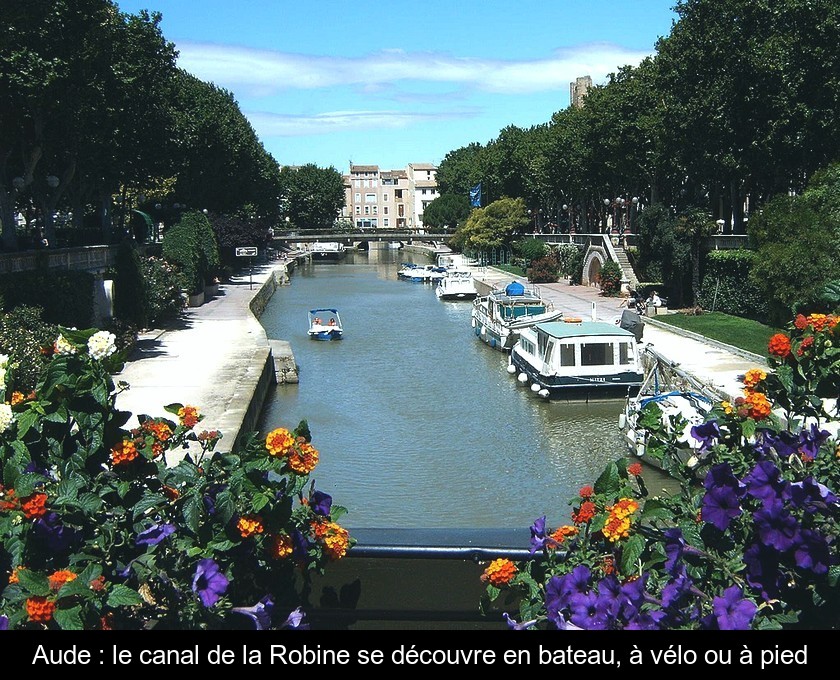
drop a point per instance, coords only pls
(216, 357)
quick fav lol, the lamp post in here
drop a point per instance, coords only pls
(634, 204)
(604, 228)
(536, 214)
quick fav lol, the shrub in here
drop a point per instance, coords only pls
(163, 291)
(726, 285)
(752, 545)
(64, 296)
(130, 295)
(530, 249)
(24, 335)
(611, 278)
(99, 530)
(570, 261)
(543, 270)
(191, 246)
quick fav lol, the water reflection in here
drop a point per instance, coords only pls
(418, 422)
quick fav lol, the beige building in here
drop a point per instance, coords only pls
(389, 199)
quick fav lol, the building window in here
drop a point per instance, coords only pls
(385, 210)
(358, 210)
(370, 198)
(385, 196)
(374, 209)
(385, 222)
(367, 210)
(358, 198)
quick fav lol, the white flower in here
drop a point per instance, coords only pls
(6, 417)
(64, 347)
(101, 344)
(2, 378)
(4, 360)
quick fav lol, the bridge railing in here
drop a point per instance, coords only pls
(89, 258)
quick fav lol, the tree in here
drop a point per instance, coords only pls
(447, 211)
(311, 197)
(460, 170)
(238, 230)
(493, 226)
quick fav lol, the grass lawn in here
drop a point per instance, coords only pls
(746, 334)
(511, 269)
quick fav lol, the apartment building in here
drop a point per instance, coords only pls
(389, 199)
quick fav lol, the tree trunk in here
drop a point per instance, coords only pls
(7, 218)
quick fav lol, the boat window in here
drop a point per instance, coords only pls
(625, 353)
(596, 354)
(527, 346)
(567, 354)
(542, 341)
(548, 352)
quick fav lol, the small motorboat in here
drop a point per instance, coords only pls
(325, 324)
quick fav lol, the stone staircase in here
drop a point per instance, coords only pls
(626, 267)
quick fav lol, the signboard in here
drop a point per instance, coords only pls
(248, 251)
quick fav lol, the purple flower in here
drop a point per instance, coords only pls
(590, 611)
(209, 583)
(210, 497)
(560, 589)
(295, 620)
(321, 503)
(777, 528)
(4, 622)
(812, 552)
(674, 547)
(810, 441)
(300, 545)
(784, 443)
(706, 433)
(516, 625)
(733, 611)
(811, 496)
(538, 537)
(260, 613)
(763, 572)
(721, 502)
(51, 532)
(154, 534)
(765, 482)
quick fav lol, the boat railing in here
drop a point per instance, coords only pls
(666, 375)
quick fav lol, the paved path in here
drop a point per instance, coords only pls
(712, 364)
(212, 358)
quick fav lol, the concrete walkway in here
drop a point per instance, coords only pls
(714, 364)
(216, 357)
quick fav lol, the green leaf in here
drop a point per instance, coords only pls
(89, 502)
(25, 421)
(225, 506)
(123, 488)
(656, 509)
(34, 583)
(27, 483)
(192, 511)
(123, 596)
(748, 428)
(630, 553)
(78, 587)
(11, 471)
(609, 482)
(337, 512)
(173, 408)
(259, 501)
(149, 501)
(69, 619)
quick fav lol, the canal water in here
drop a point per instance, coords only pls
(417, 421)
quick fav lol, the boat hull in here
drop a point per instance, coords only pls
(579, 386)
(325, 335)
(328, 255)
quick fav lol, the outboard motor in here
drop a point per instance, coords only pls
(632, 321)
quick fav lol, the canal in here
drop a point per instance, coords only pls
(417, 422)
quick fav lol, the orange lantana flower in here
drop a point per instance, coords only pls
(279, 442)
(40, 609)
(58, 578)
(499, 572)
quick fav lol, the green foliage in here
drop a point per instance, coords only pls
(530, 249)
(191, 246)
(740, 545)
(26, 338)
(164, 299)
(611, 278)
(570, 261)
(105, 527)
(130, 294)
(493, 226)
(235, 231)
(65, 296)
(727, 286)
(447, 211)
(312, 197)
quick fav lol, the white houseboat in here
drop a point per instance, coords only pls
(577, 359)
(502, 314)
(456, 284)
(329, 251)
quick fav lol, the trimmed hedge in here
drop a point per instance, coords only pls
(65, 296)
(726, 285)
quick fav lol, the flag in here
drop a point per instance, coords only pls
(475, 196)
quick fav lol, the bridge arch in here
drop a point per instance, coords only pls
(593, 262)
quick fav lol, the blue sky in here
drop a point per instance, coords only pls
(392, 83)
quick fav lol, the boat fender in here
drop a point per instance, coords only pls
(511, 369)
(522, 378)
(493, 342)
(535, 388)
(477, 330)
(544, 393)
(572, 319)
(622, 420)
(483, 330)
(472, 321)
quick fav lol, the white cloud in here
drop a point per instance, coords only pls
(286, 125)
(265, 72)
